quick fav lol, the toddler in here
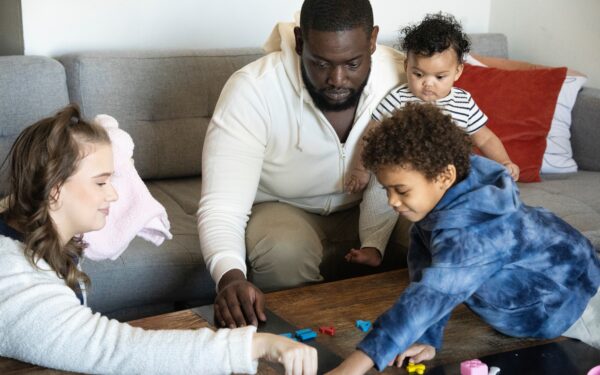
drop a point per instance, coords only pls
(522, 269)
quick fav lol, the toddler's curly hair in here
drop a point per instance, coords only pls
(418, 136)
(436, 33)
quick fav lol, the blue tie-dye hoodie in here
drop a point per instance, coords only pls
(523, 270)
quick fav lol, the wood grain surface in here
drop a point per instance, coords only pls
(340, 304)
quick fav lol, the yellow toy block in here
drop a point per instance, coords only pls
(418, 368)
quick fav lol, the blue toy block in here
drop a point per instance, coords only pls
(305, 336)
(288, 335)
(304, 330)
(363, 325)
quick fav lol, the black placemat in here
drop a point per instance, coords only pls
(328, 360)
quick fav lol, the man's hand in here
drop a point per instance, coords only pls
(238, 302)
(366, 255)
(416, 353)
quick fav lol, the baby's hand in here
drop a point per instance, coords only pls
(366, 255)
(358, 180)
(416, 353)
(513, 169)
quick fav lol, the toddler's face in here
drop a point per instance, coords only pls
(431, 77)
(410, 193)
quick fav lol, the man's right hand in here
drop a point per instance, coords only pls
(239, 302)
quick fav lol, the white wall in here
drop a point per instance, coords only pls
(55, 27)
(552, 32)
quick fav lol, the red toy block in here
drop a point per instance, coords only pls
(327, 330)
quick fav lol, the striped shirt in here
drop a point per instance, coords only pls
(458, 104)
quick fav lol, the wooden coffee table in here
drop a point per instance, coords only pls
(341, 303)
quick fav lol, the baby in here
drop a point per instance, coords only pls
(434, 61)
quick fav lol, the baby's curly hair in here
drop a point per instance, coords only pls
(421, 137)
(436, 33)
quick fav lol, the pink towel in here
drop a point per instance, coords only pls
(136, 212)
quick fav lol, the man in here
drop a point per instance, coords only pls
(279, 145)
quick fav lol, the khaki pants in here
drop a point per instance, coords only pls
(286, 245)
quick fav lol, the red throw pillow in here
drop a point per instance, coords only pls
(520, 105)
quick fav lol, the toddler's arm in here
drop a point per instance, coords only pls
(492, 148)
(357, 363)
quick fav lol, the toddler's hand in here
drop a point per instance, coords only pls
(297, 358)
(366, 255)
(416, 353)
(358, 180)
(513, 169)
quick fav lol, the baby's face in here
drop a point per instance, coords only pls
(431, 78)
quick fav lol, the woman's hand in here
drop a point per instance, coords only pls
(297, 358)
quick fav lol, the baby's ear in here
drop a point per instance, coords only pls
(459, 70)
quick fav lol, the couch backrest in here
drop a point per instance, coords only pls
(31, 88)
(164, 100)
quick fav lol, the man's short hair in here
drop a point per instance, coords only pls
(336, 15)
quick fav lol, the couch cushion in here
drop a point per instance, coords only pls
(164, 100)
(574, 197)
(31, 88)
(146, 277)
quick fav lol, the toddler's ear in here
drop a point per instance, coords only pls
(447, 177)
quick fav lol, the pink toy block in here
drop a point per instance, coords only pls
(473, 367)
(594, 371)
(327, 330)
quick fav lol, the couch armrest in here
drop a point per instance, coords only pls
(585, 129)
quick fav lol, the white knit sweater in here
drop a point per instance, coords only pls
(42, 322)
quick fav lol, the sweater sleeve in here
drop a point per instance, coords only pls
(42, 322)
(377, 218)
(422, 310)
(232, 158)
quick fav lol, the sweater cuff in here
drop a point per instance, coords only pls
(380, 348)
(224, 265)
(240, 350)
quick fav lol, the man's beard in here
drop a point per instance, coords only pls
(321, 101)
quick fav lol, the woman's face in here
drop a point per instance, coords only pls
(83, 201)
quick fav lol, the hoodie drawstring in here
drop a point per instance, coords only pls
(300, 118)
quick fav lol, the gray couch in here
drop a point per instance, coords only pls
(165, 101)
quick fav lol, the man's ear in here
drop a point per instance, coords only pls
(447, 177)
(299, 41)
(373, 39)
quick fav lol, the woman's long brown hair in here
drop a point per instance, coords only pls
(41, 159)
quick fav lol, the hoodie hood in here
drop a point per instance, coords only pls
(282, 40)
(486, 193)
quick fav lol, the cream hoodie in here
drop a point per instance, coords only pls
(268, 142)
